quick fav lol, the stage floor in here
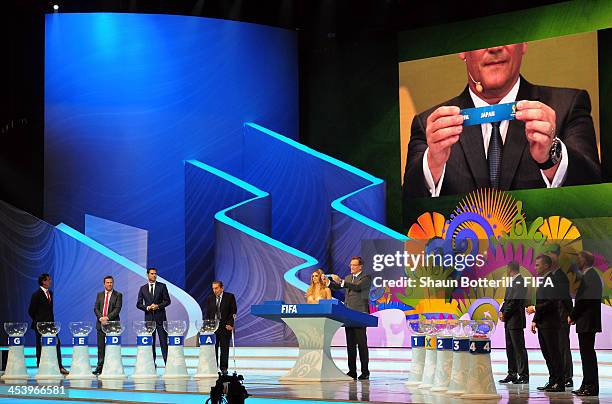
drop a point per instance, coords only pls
(387, 383)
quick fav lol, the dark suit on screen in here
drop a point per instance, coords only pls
(225, 314)
(548, 320)
(115, 302)
(587, 316)
(357, 298)
(41, 310)
(467, 168)
(513, 309)
(162, 299)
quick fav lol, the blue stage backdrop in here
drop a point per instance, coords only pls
(129, 97)
(171, 142)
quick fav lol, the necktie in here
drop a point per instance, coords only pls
(151, 289)
(218, 314)
(494, 154)
(105, 310)
(354, 278)
(48, 296)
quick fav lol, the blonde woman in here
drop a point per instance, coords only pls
(318, 289)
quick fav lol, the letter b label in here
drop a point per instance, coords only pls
(175, 340)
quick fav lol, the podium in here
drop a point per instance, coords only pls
(314, 325)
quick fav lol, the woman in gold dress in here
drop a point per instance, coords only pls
(318, 288)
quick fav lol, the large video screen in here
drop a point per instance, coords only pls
(544, 95)
(505, 156)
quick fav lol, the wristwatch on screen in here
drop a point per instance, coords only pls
(554, 155)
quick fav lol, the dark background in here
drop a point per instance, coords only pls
(348, 75)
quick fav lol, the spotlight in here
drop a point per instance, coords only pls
(55, 7)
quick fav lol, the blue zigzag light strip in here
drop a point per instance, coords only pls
(191, 306)
(289, 276)
(338, 204)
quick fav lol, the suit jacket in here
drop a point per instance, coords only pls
(587, 312)
(467, 168)
(114, 307)
(227, 308)
(547, 313)
(514, 304)
(357, 295)
(562, 291)
(160, 297)
(40, 309)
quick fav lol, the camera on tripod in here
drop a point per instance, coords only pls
(228, 389)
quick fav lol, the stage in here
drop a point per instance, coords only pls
(262, 367)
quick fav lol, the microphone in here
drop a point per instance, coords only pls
(479, 86)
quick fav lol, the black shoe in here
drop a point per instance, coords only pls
(521, 380)
(547, 385)
(97, 371)
(588, 392)
(64, 371)
(508, 379)
(578, 391)
(364, 376)
(556, 388)
(569, 383)
(352, 375)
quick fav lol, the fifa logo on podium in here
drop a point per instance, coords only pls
(289, 308)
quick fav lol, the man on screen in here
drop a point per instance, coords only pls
(551, 143)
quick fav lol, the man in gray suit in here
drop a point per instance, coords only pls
(107, 308)
(357, 286)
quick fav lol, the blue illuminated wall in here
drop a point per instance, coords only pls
(128, 98)
(171, 142)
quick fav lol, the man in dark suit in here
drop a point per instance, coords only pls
(106, 308)
(548, 323)
(586, 315)
(512, 313)
(562, 291)
(41, 310)
(221, 306)
(357, 286)
(153, 298)
(550, 143)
